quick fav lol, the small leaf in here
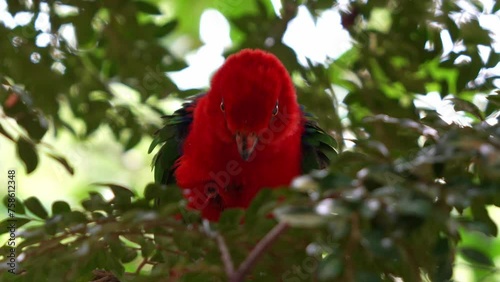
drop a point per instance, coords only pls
(147, 248)
(128, 256)
(7, 224)
(148, 8)
(480, 214)
(151, 191)
(166, 28)
(16, 205)
(28, 154)
(476, 256)
(462, 105)
(74, 217)
(35, 124)
(59, 207)
(494, 99)
(34, 205)
(496, 7)
(64, 163)
(134, 139)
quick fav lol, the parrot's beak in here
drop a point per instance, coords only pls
(246, 144)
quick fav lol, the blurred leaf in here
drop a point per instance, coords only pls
(64, 163)
(476, 256)
(166, 29)
(480, 214)
(11, 225)
(59, 207)
(35, 207)
(147, 8)
(17, 204)
(28, 154)
(462, 105)
(473, 33)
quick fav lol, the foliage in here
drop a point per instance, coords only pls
(406, 188)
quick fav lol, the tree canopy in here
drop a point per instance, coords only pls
(413, 106)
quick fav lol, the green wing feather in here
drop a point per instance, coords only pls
(318, 147)
(171, 138)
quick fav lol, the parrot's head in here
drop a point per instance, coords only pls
(253, 95)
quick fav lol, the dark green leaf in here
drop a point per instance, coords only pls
(12, 224)
(13, 204)
(59, 207)
(28, 154)
(147, 8)
(166, 28)
(63, 162)
(476, 256)
(462, 105)
(35, 207)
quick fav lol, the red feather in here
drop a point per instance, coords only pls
(251, 95)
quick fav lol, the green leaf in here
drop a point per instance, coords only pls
(27, 152)
(95, 202)
(496, 7)
(494, 99)
(147, 8)
(476, 256)
(74, 217)
(34, 205)
(147, 248)
(151, 191)
(480, 213)
(473, 33)
(166, 29)
(16, 205)
(134, 139)
(462, 105)
(59, 207)
(64, 163)
(129, 255)
(35, 124)
(8, 223)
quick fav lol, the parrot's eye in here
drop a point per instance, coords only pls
(222, 108)
(276, 108)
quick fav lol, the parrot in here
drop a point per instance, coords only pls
(245, 134)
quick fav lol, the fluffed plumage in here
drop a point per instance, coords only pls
(246, 133)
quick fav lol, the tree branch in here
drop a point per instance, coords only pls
(259, 249)
(225, 255)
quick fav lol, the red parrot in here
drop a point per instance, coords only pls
(246, 133)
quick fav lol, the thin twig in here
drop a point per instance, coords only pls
(259, 249)
(143, 263)
(225, 255)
